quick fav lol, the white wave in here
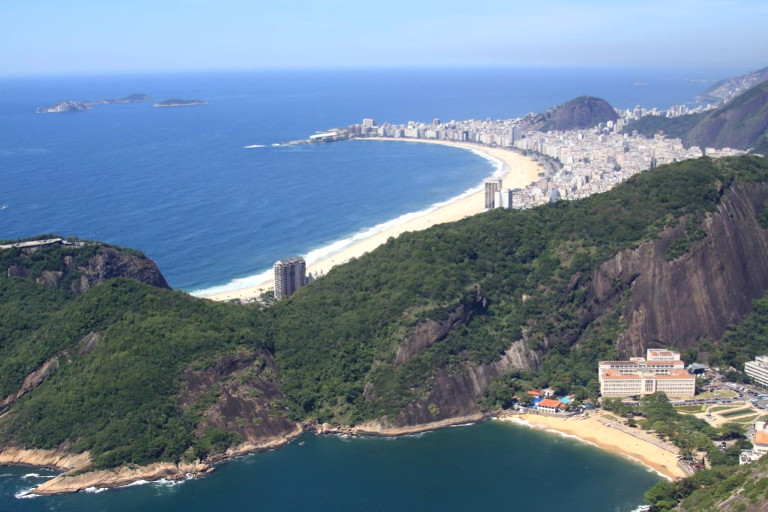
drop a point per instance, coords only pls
(461, 425)
(24, 495)
(94, 490)
(171, 483)
(36, 475)
(136, 483)
(320, 253)
(254, 146)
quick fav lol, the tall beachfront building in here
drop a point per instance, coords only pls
(290, 275)
(491, 186)
(758, 370)
(661, 370)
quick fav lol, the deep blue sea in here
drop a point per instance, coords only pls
(180, 185)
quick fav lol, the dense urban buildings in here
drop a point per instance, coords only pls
(758, 370)
(587, 161)
(660, 370)
(290, 275)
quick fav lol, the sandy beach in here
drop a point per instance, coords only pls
(589, 429)
(519, 171)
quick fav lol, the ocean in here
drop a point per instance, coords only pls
(490, 466)
(181, 185)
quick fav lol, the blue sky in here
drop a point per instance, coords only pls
(55, 36)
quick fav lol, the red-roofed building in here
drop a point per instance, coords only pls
(760, 444)
(534, 393)
(550, 406)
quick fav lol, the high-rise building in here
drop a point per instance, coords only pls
(290, 275)
(368, 123)
(491, 186)
(503, 198)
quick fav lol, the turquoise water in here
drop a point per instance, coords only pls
(490, 466)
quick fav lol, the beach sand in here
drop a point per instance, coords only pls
(519, 171)
(591, 430)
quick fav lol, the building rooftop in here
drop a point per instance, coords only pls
(761, 437)
(548, 402)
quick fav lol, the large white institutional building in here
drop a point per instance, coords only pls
(758, 370)
(661, 370)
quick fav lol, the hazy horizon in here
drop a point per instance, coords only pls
(90, 37)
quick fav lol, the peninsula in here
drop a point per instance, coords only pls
(175, 102)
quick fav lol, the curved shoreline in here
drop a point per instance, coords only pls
(593, 432)
(516, 171)
(584, 429)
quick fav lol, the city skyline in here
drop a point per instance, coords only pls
(92, 37)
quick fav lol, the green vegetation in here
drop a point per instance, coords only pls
(522, 263)
(119, 401)
(685, 431)
(691, 408)
(743, 342)
(673, 127)
(681, 245)
(708, 490)
(493, 279)
(733, 414)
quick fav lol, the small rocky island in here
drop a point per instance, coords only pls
(64, 106)
(175, 102)
(79, 106)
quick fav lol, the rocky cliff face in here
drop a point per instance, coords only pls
(455, 393)
(678, 302)
(239, 393)
(110, 263)
(79, 267)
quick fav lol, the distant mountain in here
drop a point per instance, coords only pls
(577, 114)
(742, 123)
(725, 90)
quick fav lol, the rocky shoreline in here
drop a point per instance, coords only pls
(75, 477)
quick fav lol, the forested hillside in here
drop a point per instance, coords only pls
(413, 332)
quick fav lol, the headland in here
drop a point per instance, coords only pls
(515, 170)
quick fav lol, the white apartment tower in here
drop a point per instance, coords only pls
(290, 275)
(503, 198)
(491, 187)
